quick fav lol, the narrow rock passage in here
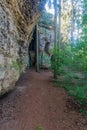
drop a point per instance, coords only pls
(36, 102)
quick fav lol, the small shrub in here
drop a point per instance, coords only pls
(55, 62)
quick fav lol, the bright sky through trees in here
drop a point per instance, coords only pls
(49, 10)
(70, 21)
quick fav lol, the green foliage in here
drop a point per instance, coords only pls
(80, 56)
(66, 56)
(38, 128)
(55, 62)
(70, 75)
(76, 86)
(79, 93)
(79, 49)
(83, 111)
(15, 65)
(85, 74)
(73, 56)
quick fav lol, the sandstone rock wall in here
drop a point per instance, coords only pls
(17, 20)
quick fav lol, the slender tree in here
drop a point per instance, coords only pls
(59, 25)
(55, 23)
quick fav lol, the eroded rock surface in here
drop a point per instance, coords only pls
(17, 21)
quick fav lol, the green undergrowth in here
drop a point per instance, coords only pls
(75, 85)
(80, 93)
(38, 128)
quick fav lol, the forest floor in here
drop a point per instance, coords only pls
(36, 103)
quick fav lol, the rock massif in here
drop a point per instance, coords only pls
(17, 21)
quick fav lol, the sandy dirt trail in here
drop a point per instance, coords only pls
(36, 102)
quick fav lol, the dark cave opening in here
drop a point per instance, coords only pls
(32, 50)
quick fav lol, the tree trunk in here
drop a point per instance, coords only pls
(55, 23)
(37, 50)
(59, 26)
(72, 21)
